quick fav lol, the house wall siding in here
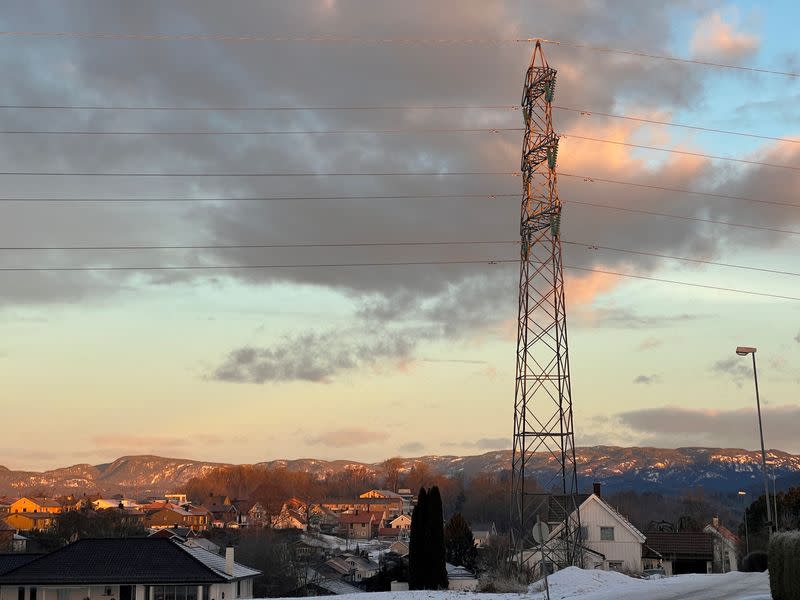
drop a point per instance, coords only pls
(626, 547)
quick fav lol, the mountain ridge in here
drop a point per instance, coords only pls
(618, 468)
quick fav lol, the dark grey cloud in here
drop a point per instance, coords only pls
(736, 367)
(451, 300)
(626, 317)
(737, 428)
(411, 447)
(647, 379)
(316, 357)
(797, 337)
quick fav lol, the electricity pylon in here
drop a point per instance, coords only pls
(543, 401)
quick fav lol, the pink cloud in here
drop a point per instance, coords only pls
(343, 438)
(714, 37)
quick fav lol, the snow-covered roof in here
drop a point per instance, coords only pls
(216, 563)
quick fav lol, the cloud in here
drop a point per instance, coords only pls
(495, 443)
(797, 338)
(738, 368)
(647, 379)
(715, 38)
(316, 357)
(673, 426)
(626, 317)
(115, 441)
(345, 438)
(412, 447)
(649, 343)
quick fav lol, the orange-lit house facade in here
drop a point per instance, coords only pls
(36, 505)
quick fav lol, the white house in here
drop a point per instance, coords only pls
(403, 522)
(725, 546)
(150, 568)
(610, 541)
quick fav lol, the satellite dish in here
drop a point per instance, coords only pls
(540, 532)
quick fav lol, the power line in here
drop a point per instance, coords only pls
(589, 113)
(684, 218)
(255, 174)
(509, 107)
(270, 132)
(356, 40)
(589, 179)
(342, 131)
(588, 246)
(392, 264)
(488, 196)
(261, 198)
(683, 152)
(503, 107)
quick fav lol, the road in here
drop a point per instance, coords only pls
(733, 586)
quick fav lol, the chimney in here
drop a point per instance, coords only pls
(596, 489)
(229, 560)
(715, 521)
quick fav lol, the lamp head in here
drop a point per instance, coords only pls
(745, 350)
(742, 492)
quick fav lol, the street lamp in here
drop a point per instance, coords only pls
(744, 351)
(746, 535)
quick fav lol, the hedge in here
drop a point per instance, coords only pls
(784, 565)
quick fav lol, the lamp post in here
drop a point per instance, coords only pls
(744, 351)
(746, 535)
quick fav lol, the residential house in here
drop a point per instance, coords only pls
(725, 547)
(408, 499)
(6, 537)
(36, 505)
(610, 541)
(31, 521)
(104, 503)
(128, 569)
(461, 579)
(290, 518)
(223, 511)
(392, 506)
(356, 526)
(682, 552)
(388, 534)
(350, 567)
(401, 522)
(482, 533)
(5, 505)
(400, 548)
(380, 494)
(176, 516)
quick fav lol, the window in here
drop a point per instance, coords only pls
(615, 565)
(21, 593)
(607, 534)
(238, 589)
(63, 594)
(32, 594)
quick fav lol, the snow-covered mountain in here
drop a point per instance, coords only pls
(639, 469)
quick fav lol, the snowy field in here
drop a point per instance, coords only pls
(604, 585)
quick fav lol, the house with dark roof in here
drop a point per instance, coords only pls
(128, 569)
(726, 546)
(682, 552)
(610, 541)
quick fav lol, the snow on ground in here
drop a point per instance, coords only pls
(608, 585)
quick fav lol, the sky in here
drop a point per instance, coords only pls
(363, 363)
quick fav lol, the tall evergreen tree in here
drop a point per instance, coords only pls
(437, 571)
(459, 542)
(417, 561)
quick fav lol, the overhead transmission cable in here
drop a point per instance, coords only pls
(588, 246)
(387, 264)
(507, 107)
(357, 40)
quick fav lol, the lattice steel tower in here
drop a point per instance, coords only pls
(543, 400)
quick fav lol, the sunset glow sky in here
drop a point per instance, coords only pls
(365, 362)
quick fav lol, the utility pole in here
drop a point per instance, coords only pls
(543, 397)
